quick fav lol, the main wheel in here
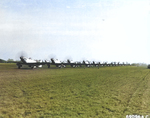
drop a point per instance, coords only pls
(19, 66)
(48, 66)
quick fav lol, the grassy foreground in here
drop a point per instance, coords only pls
(107, 92)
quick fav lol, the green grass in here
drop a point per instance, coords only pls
(111, 92)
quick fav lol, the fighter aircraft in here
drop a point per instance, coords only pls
(31, 63)
(72, 63)
(87, 63)
(96, 64)
(57, 63)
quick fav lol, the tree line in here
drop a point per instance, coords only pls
(8, 61)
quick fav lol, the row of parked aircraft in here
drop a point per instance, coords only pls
(35, 63)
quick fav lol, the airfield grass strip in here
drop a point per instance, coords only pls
(74, 92)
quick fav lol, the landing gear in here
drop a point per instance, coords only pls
(88, 66)
(48, 65)
(73, 66)
(64, 66)
(59, 66)
(33, 67)
(19, 65)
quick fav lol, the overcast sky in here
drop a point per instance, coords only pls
(102, 30)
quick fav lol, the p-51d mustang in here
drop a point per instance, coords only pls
(57, 63)
(31, 63)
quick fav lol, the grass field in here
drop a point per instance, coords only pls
(107, 92)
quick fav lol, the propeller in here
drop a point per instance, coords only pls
(83, 59)
(52, 56)
(68, 58)
(21, 54)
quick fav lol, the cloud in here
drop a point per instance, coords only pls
(68, 7)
